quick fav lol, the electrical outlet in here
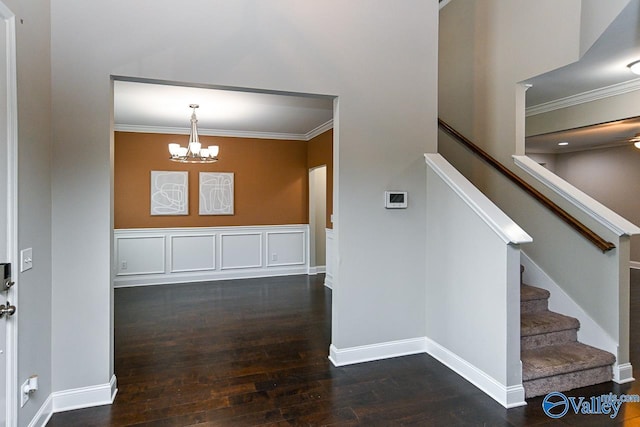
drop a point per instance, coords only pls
(123, 265)
(24, 396)
(27, 388)
(274, 257)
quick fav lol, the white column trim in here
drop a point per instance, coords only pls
(623, 373)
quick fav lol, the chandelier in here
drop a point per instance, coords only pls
(193, 152)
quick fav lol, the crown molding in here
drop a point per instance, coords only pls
(443, 3)
(584, 97)
(224, 132)
(210, 132)
(319, 130)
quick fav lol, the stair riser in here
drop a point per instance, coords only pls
(565, 382)
(534, 305)
(551, 338)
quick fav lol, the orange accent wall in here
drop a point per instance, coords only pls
(271, 180)
(320, 152)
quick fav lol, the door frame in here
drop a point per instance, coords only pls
(11, 345)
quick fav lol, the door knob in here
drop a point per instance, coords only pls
(7, 309)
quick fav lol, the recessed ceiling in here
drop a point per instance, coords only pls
(603, 65)
(587, 138)
(151, 107)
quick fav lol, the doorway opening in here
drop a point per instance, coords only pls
(265, 141)
(317, 219)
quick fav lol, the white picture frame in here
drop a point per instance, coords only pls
(169, 193)
(216, 193)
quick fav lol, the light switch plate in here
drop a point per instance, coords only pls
(26, 259)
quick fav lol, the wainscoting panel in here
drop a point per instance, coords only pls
(241, 250)
(286, 248)
(137, 255)
(181, 255)
(193, 253)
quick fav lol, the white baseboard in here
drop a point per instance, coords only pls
(367, 353)
(635, 264)
(507, 396)
(623, 373)
(85, 397)
(42, 417)
(163, 279)
(328, 281)
(318, 269)
(78, 398)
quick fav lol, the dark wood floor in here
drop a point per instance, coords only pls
(254, 352)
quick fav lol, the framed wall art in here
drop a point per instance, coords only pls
(216, 193)
(169, 193)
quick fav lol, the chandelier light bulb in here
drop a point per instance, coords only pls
(195, 147)
(174, 148)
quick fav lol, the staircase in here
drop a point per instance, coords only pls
(552, 358)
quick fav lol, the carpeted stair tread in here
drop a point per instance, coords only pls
(562, 359)
(552, 358)
(544, 322)
(528, 293)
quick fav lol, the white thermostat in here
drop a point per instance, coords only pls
(395, 199)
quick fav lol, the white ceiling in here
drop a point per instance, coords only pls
(602, 66)
(152, 107)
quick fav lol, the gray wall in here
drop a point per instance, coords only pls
(611, 176)
(34, 196)
(504, 43)
(378, 57)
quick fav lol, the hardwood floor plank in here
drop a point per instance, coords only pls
(254, 353)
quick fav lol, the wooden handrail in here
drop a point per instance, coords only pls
(585, 231)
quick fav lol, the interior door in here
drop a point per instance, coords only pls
(4, 221)
(8, 224)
